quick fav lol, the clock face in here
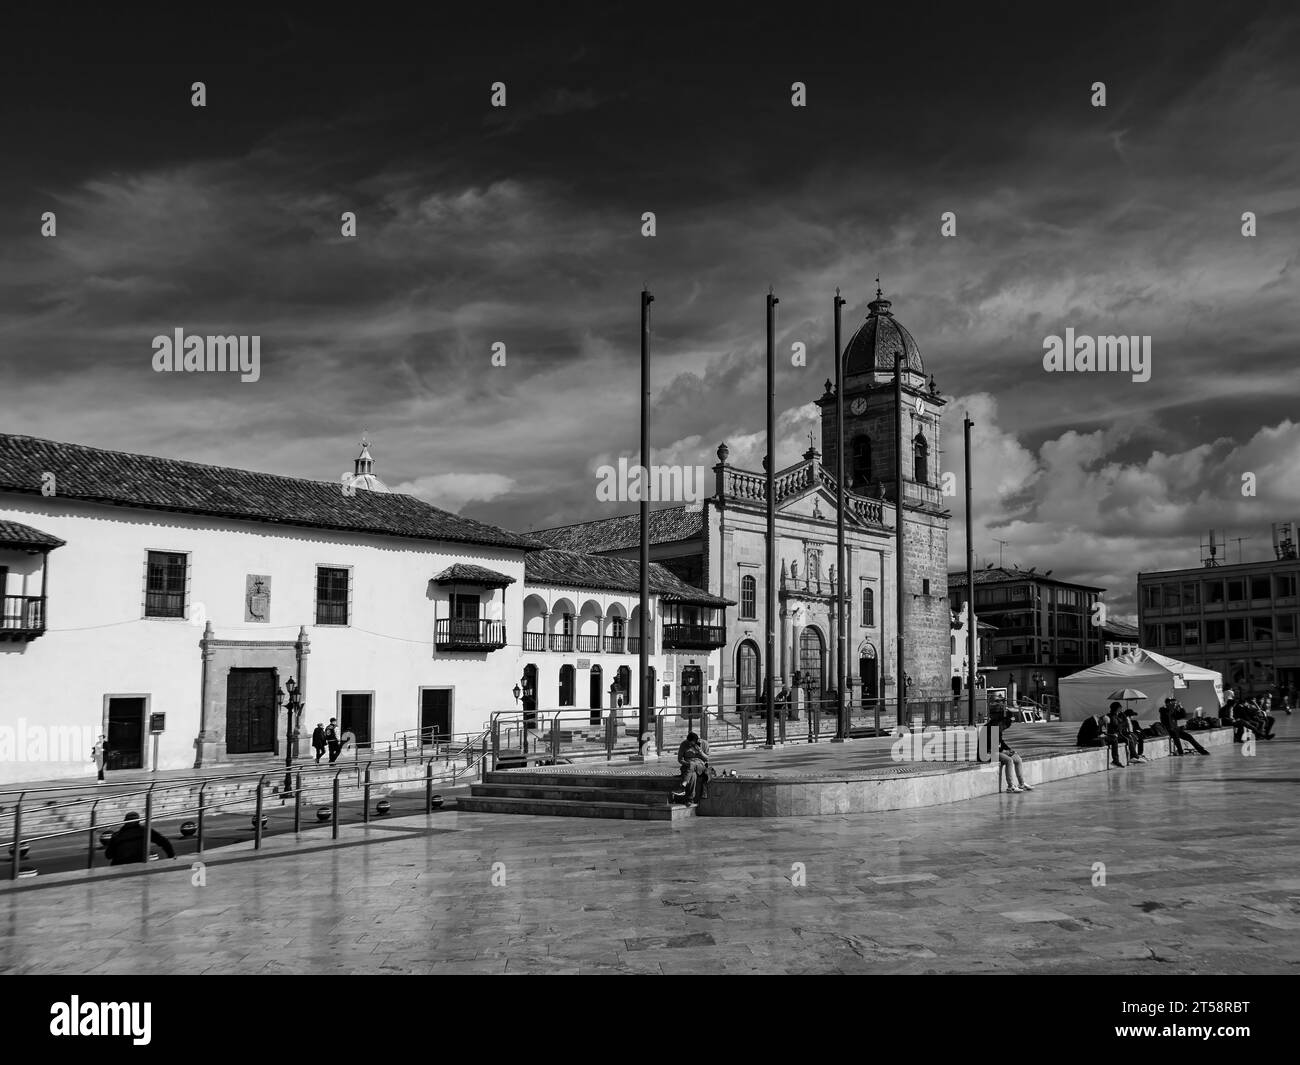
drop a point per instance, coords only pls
(858, 405)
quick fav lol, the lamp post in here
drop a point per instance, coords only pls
(292, 707)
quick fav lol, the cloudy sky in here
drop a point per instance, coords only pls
(522, 225)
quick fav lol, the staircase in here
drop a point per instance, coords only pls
(637, 796)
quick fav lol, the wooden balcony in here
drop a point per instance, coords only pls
(561, 642)
(616, 645)
(534, 641)
(468, 634)
(22, 617)
(589, 644)
(685, 637)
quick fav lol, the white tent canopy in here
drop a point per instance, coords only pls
(1085, 693)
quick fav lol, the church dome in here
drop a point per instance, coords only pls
(878, 342)
(364, 477)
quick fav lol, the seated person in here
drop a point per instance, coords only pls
(1170, 716)
(1096, 732)
(695, 769)
(1008, 758)
(1250, 715)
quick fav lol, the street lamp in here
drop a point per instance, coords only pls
(517, 692)
(293, 707)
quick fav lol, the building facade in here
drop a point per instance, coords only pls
(1242, 620)
(1046, 628)
(722, 545)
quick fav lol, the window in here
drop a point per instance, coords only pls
(1286, 626)
(331, 596)
(868, 606)
(1020, 591)
(1173, 636)
(1236, 590)
(1285, 585)
(1151, 597)
(1170, 596)
(1215, 631)
(1151, 635)
(1191, 596)
(164, 590)
(748, 597)
(1260, 588)
(925, 586)
(920, 460)
(1213, 592)
(465, 607)
(1237, 629)
(1192, 634)
(1261, 629)
(860, 473)
(617, 625)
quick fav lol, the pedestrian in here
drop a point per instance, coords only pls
(97, 756)
(318, 741)
(332, 740)
(127, 844)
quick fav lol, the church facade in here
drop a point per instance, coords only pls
(721, 546)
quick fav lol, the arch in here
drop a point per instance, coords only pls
(860, 461)
(589, 619)
(921, 459)
(748, 597)
(563, 625)
(748, 672)
(535, 611)
(566, 685)
(529, 695)
(812, 663)
(868, 672)
(623, 678)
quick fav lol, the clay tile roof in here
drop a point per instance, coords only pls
(624, 531)
(14, 535)
(572, 569)
(152, 483)
(464, 573)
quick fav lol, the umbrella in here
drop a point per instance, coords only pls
(1127, 694)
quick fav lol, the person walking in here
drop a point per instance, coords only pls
(332, 740)
(127, 844)
(318, 741)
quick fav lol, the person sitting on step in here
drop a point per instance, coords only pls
(695, 768)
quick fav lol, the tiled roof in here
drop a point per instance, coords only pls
(464, 573)
(1122, 629)
(1000, 575)
(572, 569)
(14, 535)
(879, 341)
(619, 533)
(124, 479)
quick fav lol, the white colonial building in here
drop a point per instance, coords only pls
(144, 595)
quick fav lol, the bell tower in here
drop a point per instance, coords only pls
(870, 401)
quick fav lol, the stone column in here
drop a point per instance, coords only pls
(205, 742)
(301, 650)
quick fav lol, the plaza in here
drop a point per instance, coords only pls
(1181, 866)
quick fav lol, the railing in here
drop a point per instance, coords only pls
(589, 643)
(561, 642)
(468, 634)
(22, 615)
(634, 645)
(615, 644)
(534, 641)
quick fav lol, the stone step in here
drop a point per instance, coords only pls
(653, 780)
(637, 796)
(568, 808)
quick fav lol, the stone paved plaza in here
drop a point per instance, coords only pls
(1201, 856)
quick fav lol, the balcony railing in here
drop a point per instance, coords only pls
(469, 634)
(634, 645)
(694, 637)
(534, 641)
(589, 644)
(22, 617)
(615, 644)
(561, 642)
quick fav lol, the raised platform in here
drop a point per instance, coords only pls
(800, 780)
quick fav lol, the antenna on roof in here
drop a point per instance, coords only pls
(1211, 559)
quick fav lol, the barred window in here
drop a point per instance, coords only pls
(164, 593)
(748, 597)
(331, 596)
(868, 606)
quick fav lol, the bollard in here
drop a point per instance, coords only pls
(18, 836)
(555, 739)
(428, 786)
(365, 798)
(780, 721)
(334, 815)
(257, 818)
(90, 849)
(297, 802)
(744, 730)
(659, 733)
(148, 822)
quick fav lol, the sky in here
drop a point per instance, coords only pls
(522, 225)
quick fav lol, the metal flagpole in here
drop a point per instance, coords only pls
(899, 590)
(970, 590)
(842, 719)
(769, 676)
(643, 661)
